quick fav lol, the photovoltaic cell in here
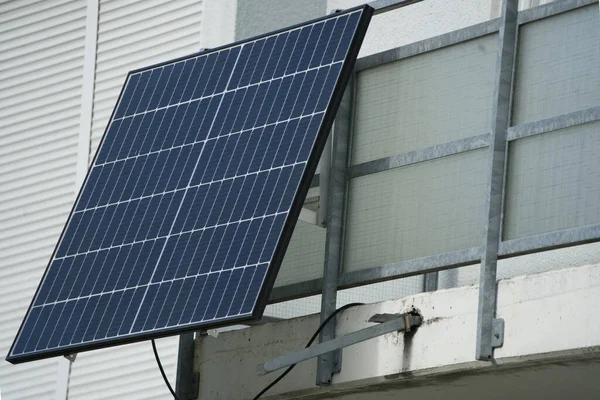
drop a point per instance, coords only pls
(187, 209)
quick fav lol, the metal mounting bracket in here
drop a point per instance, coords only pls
(71, 357)
(497, 332)
(387, 323)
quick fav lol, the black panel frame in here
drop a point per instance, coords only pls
(289, 225)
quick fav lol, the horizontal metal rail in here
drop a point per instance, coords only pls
(551, 9)
(553, 124)
(417, 156)
(427, 45)
(402, 269)
(550, 241)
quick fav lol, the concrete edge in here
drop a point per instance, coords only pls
(445, 374)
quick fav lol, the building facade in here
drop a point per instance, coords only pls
(62, 64)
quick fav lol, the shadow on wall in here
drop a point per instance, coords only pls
(257, 17)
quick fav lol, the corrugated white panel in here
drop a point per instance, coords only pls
(132, 34)
(124, 372)
(41, 65)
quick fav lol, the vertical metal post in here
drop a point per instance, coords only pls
(490, 329)
(330, 363)
(186, 384)
(325, 169)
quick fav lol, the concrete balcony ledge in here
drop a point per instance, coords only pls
(551, 348)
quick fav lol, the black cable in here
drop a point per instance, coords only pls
(162, 371)
(312, 339)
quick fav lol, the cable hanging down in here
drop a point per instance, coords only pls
(162, 371)
(280, 377)
(310, 342)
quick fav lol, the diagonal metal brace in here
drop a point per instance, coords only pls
(387, 323)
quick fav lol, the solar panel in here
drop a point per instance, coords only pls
(187, 209)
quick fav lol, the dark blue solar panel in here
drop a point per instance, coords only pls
(185, 214)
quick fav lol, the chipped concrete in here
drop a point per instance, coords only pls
(549, 325)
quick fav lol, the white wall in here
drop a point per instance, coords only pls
(218, 28)
(257, 17)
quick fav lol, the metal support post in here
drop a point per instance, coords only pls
(186, 384)
(325, 169)
(330, 363)
(490, 329)
(387, 323)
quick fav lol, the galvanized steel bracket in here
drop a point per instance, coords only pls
(498, 332)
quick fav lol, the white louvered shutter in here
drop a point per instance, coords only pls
(132, 34)
(41, 66)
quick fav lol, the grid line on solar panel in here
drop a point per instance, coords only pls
(200, 184)
(226, 91)
(233, 133)
(302, 113)
(143, 285)
(296, 113)
(179, 209)
(188, 196)
(253, 268)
